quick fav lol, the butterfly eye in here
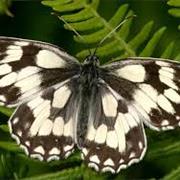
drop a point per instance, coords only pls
(96, 60)
(92, 59)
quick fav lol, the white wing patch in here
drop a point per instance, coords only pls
(111, 139)
(29, 83)
(61, 96)
(27, 71)
(100, 134)
(5, 69)
(49, 60)
(46, 128)
(121, 131)
(12, 55)
(144, 100)
(109, 105)
(168, 82)
(130, 73)
(41, 113)
(165, 104)
(172, 95)
(58, 127)
(21, 43)
(8, 79)
(152, 92)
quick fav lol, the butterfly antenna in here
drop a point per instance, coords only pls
(70, 27)
(111, 32)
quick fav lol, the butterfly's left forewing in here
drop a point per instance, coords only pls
(151, 86)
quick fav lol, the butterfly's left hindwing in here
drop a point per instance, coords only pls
(28, 67)
(115, 136)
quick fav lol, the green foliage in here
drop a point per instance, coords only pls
(175, 8)
(4, 7)
(87, 19)
(175, 175)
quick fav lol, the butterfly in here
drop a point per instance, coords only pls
(100, 109)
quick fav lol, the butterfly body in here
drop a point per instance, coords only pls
(87, 84)
(62, 103)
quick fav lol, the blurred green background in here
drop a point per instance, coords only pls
(33, 20)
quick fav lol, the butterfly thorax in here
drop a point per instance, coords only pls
(89, 72)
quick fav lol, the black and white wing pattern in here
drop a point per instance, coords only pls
(132, 92)
(38, 77)
(115, 135)
(44, 126)
(28, 67)
(62, 103)
(151, 86)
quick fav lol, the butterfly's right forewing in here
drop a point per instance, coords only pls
(28, 67)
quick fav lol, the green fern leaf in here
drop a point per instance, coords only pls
(10, 146)
(85, 19)
(175, 175)
(168, 51)
(177, 57)
(4, 7)
(175, 9)
(6, 111)
(4, 128)
(75, 173)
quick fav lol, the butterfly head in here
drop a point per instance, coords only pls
(92, 59)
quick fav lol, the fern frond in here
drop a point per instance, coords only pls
(175, 8)
(85, 19)
(6, 111)
(163, 150)
(178, 57)
(10, 146)
(175, 174)
(4, 7)
(168, 51)
(75, 173)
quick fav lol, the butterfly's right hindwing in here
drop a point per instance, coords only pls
(45, 125)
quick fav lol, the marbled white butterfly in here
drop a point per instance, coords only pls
(100, 109)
